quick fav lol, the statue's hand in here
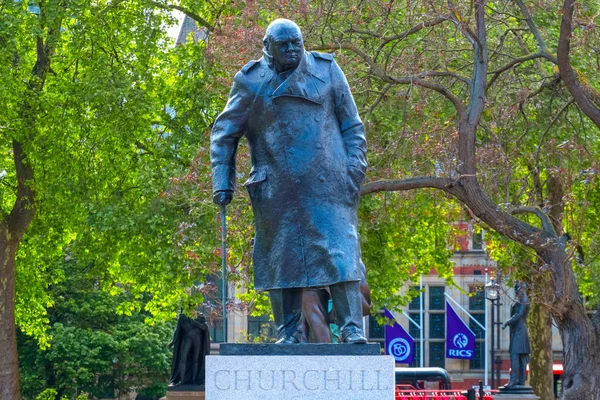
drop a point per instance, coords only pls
(504, 326)
(223, 197)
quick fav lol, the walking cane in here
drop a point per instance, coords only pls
(223, 269)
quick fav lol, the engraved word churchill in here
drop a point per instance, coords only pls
(292, 380)
(308, 151)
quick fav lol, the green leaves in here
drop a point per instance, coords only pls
(403, 236)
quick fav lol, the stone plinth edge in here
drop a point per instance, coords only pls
(181, 395)
(301, 349)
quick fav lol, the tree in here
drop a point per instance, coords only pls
(94, 350)
(96, 121)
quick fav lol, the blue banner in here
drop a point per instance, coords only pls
(398, 342)
(460, 339)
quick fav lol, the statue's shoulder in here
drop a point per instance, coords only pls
(252, 65)
(322, 56)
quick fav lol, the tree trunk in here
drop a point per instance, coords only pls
(581, 365)
(581, 376)
(9, 367)
(540, 367)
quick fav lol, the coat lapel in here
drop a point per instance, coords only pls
(301, 83)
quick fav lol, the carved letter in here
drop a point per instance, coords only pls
(305, 381)
(290, 381)
(260, 382)
(362, 378)
(216, 379)
(336, 379)
(237, 379)
(378, 372)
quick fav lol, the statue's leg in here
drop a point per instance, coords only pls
(314, 313)
(522, 369)
(514, 369)
(195, 358)
(347, 301)
(287, 306)
(183, 360)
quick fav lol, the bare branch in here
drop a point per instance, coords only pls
(567, 72)
(477, 101)
(444, 91)
(414, 80)
(414, 29)
(532, 27)
(187, 12)
(541, 142)
(546, 223)
(448, 74)
(24, 207)
(419, 182)
(517, 61)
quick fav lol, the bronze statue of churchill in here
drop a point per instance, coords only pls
(308, 150)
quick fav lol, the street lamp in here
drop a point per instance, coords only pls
(492, 293)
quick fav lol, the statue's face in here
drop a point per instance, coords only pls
(286, 46)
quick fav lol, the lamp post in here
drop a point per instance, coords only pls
(492, 293)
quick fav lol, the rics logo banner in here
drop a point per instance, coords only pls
(460, 340)
(400, 349)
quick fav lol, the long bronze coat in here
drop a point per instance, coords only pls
(519, 335)
(308, 149)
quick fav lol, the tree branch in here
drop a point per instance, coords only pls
(419, 182)
(24, 207)
(187, 12)
(444, 91)
(567, 72)
(546, 223)
(405, 34)
(532, 27)
(517, 61)
(377, 70)
(477, 100)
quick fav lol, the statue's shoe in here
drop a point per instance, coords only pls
(354, 338)
(287, 339)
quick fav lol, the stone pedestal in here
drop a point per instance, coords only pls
(515, 393)
(300, 371)
(177, 395)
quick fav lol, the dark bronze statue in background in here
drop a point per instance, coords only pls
(308, 150)
(519, 337)
(191, 344)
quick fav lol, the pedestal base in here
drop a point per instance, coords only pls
(181, 395)
(515, 393)
(289, 376)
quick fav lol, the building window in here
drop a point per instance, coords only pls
(261, 329)
(376, 331)
(417, 360)
(477, 330)
(477, 310)
(412, 328)
(437, 326)
(216, 330)
(477, 361)
(477, 240)
(437, 354)
(476, 299)
(437, 300)
(415, 303)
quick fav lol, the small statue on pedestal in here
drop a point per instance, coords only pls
(519, 337)
(191, 344)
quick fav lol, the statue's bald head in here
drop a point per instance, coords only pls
(281, 24)
(283, 42)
